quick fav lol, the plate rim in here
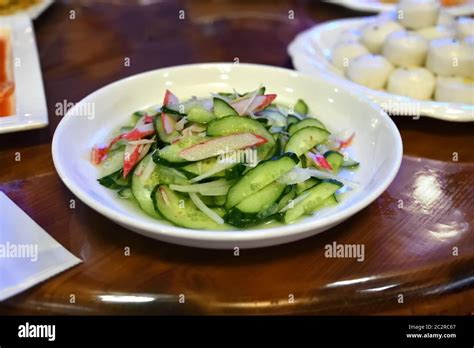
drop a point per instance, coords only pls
(182, 235)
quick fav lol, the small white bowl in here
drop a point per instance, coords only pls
(377, 145)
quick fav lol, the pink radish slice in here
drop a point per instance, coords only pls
(170, 98)
(169, 124)
(100, 153)
(347, 142)
(221, 145)
(261, 102)
(133, 155)
(320, 160)
(253, 103)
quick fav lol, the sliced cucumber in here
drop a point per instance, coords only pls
(113, 162)
(238, 124)
(250, 210)
(303, 186)
(115, 181)
(180, 210)
(223, 109)
(305, 139)
(212, 188)
(292, 120)
(220, 200)
(235, 172)
(125, 193)
(142, 187)
(198, 168)
(335, 160)
(257, 178)
(135, 117)
(165, 137)
(260, 91)
(315, 197)
(301, 107)
(170, 154)
(200, 115)
(307, 122)
(262, 199)
(349, 163)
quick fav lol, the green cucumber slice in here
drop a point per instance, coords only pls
(180, 210)
(142, 189)
(115, 181)
(315, 197)
(125, 193)
(166, 138)
(307, 122)
(303, 186)
(223, 109)
(113, 162)
(239, 124)
(262, 199)
(200, 115)
(260, 91)
(292, 120)
(301, 107)
(257, 178)
(349, 163)
(335, 160)
(305, 139)
(198, 168)
(170, 154)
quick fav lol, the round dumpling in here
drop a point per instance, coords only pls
(342, 53)
(418, 14)
(455, 90)
(375, 33)
(406, 49)
(436, 32)
(449, 57)
(464, 27)
(369, 70)
(416, 83)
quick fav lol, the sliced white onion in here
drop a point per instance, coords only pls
(294, 202)
(180, 124)
(141, 142)
(148, 170)
(298, 174)
(214, 188)
(216, 168)
(207, 211)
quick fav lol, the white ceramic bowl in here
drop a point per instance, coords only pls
(377, 145)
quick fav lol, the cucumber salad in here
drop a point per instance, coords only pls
(230, 160)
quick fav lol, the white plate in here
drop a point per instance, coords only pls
(378, 6)
(30, 102)
(36, 10)
(310, 52)
(378, 145)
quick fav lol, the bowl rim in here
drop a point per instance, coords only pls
(238, 235)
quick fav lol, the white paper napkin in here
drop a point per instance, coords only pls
(28, 254)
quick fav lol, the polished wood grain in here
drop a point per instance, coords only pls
(410, 233)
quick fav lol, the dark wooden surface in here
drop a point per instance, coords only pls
(408, 250)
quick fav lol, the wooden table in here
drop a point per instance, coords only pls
(409, 232)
